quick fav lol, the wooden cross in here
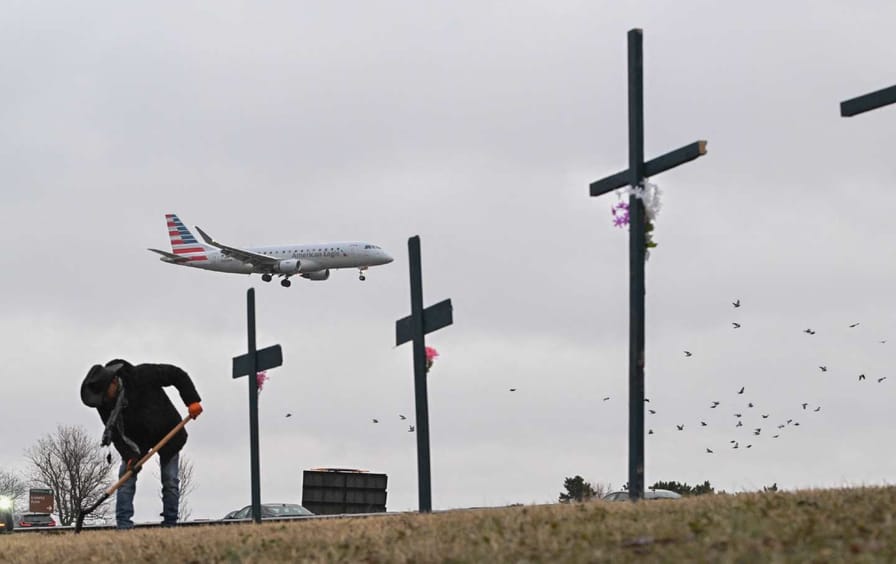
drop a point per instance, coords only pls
(250, 364)
(637, 171)
(868, 102)
(414, 328)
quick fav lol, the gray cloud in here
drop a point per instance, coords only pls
(478, 128)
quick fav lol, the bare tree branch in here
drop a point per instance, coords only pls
(12, 486)
(187, 485)
(73, 466)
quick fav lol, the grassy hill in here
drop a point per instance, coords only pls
(848, 525)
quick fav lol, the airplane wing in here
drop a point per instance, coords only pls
(241, 255)
(170, 256)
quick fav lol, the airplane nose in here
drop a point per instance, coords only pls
(386, 258)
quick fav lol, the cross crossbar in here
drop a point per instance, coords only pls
(269, 357)
(868, 102)
(435, 317)
(653, 167)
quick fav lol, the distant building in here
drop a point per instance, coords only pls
(334, 491)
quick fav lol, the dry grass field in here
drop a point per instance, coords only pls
(848, 525)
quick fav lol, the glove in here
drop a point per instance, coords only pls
(195, 409)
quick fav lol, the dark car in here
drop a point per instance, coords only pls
(24, 520)
(270, 511)
(6, 520)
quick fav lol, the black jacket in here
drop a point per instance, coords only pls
(149, 414)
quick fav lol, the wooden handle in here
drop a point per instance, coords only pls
(127, 475)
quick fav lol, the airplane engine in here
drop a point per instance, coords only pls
(319, 275)
(291, 266)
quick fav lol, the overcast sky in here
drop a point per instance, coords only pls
(478, 126)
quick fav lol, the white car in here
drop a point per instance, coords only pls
(648, 494)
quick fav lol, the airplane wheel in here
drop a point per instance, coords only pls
(286, 283)
(266, 277)
(362, 278)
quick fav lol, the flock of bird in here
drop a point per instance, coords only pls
(747, 415)
(761, 427)
(400, 416)
(739, 415)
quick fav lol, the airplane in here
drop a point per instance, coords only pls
(313, 262)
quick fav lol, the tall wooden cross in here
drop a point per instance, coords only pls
(250, 364)
(868, 102)
(637, 171)
(414, 328)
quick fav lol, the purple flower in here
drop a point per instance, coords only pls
(620, 214)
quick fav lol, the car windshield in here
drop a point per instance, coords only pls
(36, 518)
(286, 510)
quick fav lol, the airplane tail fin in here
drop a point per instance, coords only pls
(182, 240)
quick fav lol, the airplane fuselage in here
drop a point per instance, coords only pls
(313, 262)
(310, 258)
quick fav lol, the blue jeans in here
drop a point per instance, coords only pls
(124, 496)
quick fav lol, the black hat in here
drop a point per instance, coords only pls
(95, 384)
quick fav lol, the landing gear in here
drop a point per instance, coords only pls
(266, 277)
(362, 278)
(286, 283)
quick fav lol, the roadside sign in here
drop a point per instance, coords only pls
(40, 500)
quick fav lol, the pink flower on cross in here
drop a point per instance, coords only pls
(260, 379)
(431, 354)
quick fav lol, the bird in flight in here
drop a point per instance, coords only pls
(804, 405)
(739, 424)
(749, 446)
(736, 445)
(884, 341)
(703, 423)
(688, 353)
(757, 431)
(402, 417)
(410, 428)
(738, 415)
(709, 451)
(775, 436)
(879, 380)
(765, 415)
(824, 368)
(861, 377)
(809, 331)
(853, 325)
(512, 389)
(652, 412)
(650, 431)
(680, 427)
(817, 409)
(736, 303)
(376, 420)
(289, 414)
(736, 325)
(741, 390)
(606, 398)
(714, 405)
(750, 404)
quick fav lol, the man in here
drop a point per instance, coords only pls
(137, 412)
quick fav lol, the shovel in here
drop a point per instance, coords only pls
(79, 523)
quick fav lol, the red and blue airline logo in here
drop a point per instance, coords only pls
(182, 241)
